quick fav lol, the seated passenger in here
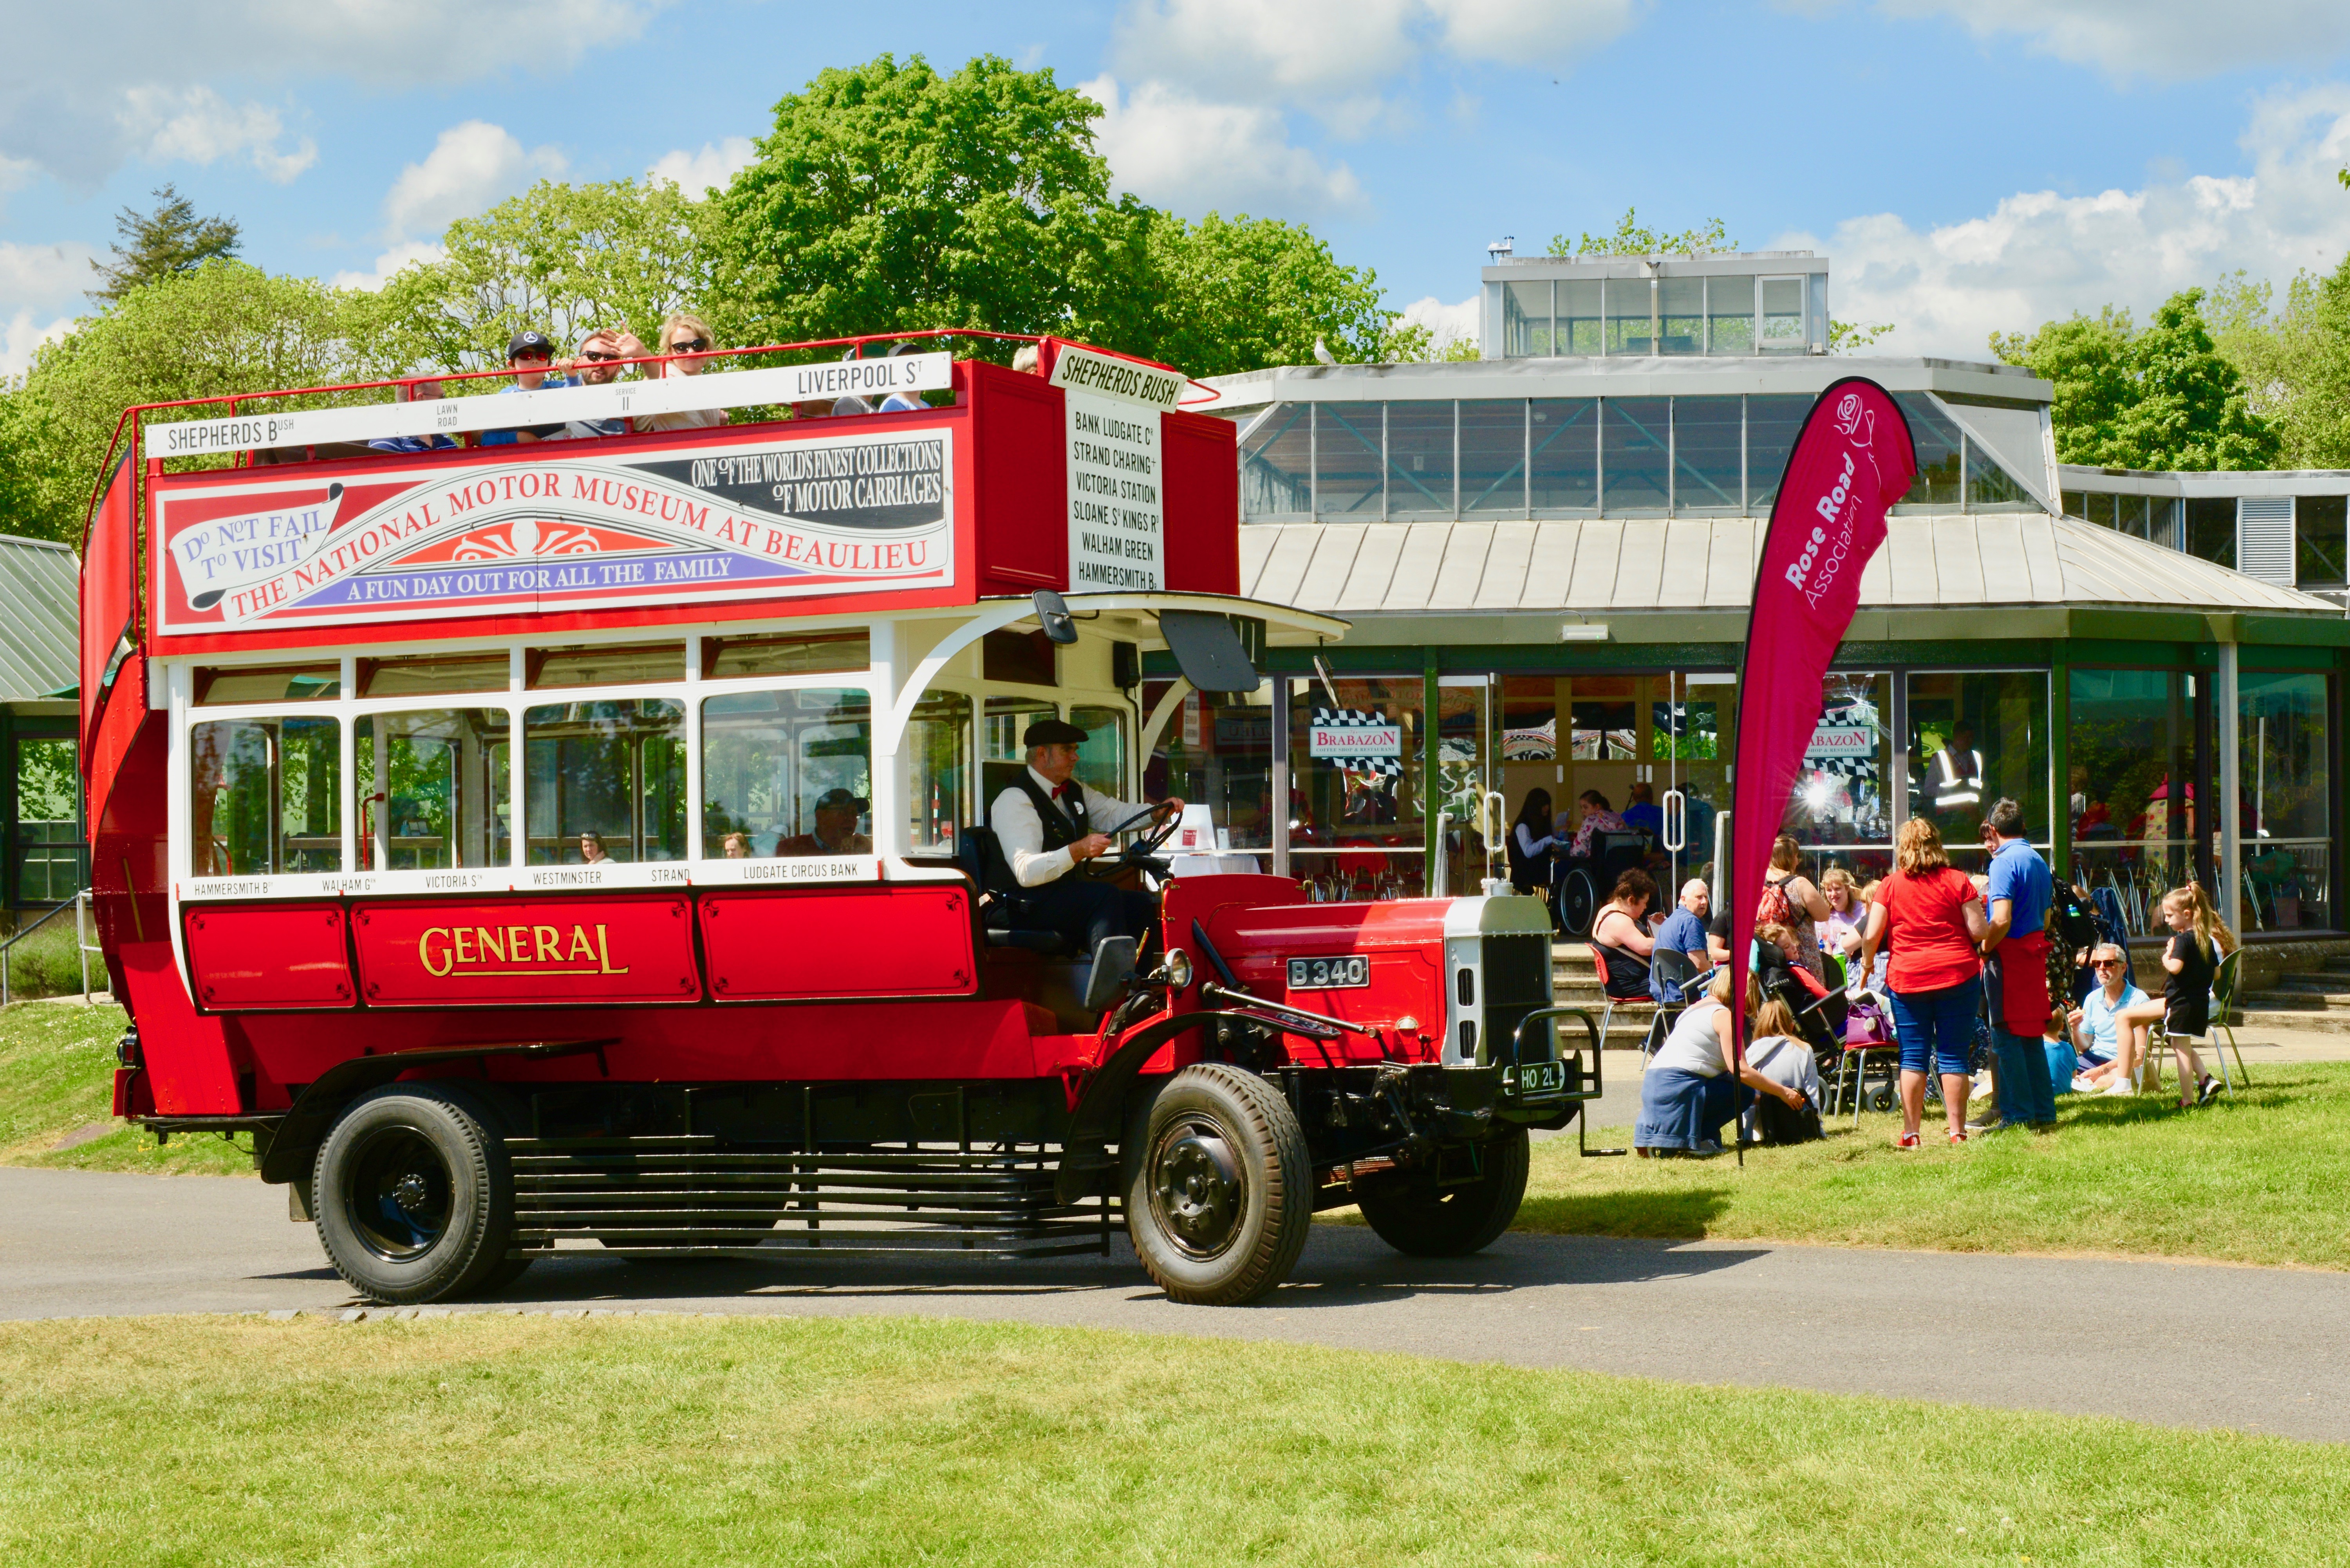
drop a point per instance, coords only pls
(837, 811)
(735, 847)
(1047, 822)
(595, 366)
(1028, 360)
(591, 849)
(688, 336)
(532, 354)
(1596, 818)
(414, 393)
(1642, 812)
(902, 402)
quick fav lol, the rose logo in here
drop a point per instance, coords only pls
(1855, 420)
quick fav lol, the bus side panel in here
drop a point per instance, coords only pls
(1019, 446)
(128, 861)
(776, 946)
(842, 1042)
(526, 952)
(284, 955)
(1199, 490)
(190, 1065)
(109, 575)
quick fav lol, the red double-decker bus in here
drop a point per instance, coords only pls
(539, 845)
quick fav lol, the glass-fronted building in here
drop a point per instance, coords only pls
(1548, 559)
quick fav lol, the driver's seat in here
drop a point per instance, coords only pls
(995, 907)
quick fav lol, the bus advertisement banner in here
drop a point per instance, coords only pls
(535, 529)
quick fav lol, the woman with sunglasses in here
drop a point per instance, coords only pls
(2110, 1044)
(688, 337)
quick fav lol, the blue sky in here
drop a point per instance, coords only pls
(1968, 165)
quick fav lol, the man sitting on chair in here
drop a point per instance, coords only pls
(1047, 822)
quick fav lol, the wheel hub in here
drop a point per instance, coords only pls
(412, 1192)
(1196, 1190)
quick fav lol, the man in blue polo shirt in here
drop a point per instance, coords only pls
(2020, 893)
(1683, 932)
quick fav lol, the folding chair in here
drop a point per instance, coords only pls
(1672, 973)
(2223, 995)
(1611, 1002)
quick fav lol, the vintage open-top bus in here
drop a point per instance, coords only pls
(539, 845)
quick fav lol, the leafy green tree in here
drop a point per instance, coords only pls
(561, 259)
(1228, 295)
(1633, 238)
(2295, 361)
(2160, 397)
(171, 239)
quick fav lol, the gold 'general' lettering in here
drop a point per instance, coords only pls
(446, 950)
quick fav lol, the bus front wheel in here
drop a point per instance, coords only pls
(413, 1196)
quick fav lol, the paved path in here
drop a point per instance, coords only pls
(2258, 1349)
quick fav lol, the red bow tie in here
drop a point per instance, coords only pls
(1064, 791)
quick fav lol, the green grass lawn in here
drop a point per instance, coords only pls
(2261, 1177)
(490, 1440)
(57, 1079)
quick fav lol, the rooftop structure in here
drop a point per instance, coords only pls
(1737, 305)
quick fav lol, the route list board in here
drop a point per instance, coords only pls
(1117, 533)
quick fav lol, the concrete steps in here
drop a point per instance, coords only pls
(1574, 983)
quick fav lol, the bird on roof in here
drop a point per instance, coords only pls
(1321, 354)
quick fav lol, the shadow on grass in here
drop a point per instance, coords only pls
(1674, 1216)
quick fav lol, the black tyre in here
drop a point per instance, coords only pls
(1223, 1197)
(1576, 903)
(413, 1196)
(1424, 1220)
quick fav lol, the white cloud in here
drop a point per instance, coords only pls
(1446, 324)
(24, 336)
(197, 126)
(69, 107)
(389, 263)
(695, 173)
(2164, 38)
(2039, 255)
(37, 283)
(1174, 151)
(469, 167)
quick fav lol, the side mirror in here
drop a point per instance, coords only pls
(1054, 612)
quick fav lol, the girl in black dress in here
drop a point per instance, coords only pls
(2199, 940)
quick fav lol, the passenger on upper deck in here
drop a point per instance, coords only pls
(837, 811)
(688, 336)
(595, 367)
(902, 402)
(414, 393)
(525, 349)
(1047, 823)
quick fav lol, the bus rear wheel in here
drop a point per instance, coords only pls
(1422, 1220)
(1219, 1203)
(413, 1196)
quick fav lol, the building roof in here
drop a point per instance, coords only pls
(39, 613)
(1627, 567)
(1619, 375)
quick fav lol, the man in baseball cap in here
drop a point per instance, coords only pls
(837, 811)
(530, 353)
(1048, 824)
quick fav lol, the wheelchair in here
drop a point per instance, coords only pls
(1581, 883)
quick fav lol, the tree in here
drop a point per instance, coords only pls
(2295, 362)
(1632, 238)
(2160, 397)
(171, 239)
(1227, 295)
(561, 259)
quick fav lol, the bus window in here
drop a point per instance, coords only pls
(787, 773)
(1101, 760)
(264, 796)
(269, 683)
(612, 771)
(1000, 754)
(845, 652)
(938, 767)
(430, 677)
(440, 798)
(606, 664)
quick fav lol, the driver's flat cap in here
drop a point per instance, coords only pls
(1053, 732)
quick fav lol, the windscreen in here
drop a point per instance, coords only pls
(1208, 650)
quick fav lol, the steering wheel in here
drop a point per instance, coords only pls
(1143, 851)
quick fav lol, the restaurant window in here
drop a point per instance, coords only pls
(2284, 800)
(218, 686)
(1564, 435)
(1349, 462)
(1420, 460)
(1527, 319)
(1354, 768)
(1493, 457)
(1217, 752)
(1708, 440)
(1975, 737)
(1631, 328)
(1680, 311)
(2318, 529)
(430, 677)
(605, 780)
(1277, 464)
(1632, 462)
(786, 774)
(2131, 745)
(1578, 317)
(1729, 315)
(1991, 488)
(266, 796)
(1840, 807)
(606, 664)
(439, 799)
(938, 767)
(2211, 529)
(1939, 446)
(1773, 420)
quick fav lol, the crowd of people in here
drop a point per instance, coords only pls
(2004, 956)
(685, 345)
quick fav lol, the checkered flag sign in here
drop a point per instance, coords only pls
(1355, 741)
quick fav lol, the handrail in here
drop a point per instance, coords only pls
(76, 904)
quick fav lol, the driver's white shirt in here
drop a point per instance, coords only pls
(1022, 834)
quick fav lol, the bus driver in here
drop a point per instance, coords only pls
(1047, 823)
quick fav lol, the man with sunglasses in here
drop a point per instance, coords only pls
(530, 354)
(597, 365)
(2110, 1050)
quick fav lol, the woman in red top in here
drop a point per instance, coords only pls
(1933, 920)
